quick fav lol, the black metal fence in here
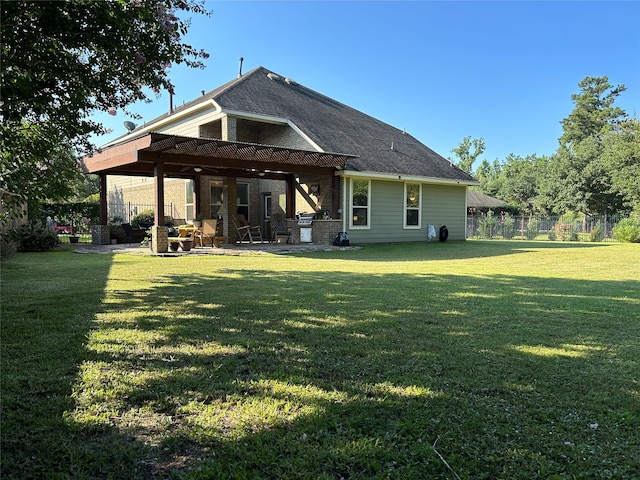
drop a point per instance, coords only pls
(128, 210)
(561, 228)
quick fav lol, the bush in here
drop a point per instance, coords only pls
(531, 232)
(487, 225)
(8, 247)
(35, 236)
(597, 233)
(627, 230)
(146, 218)
(508, 227)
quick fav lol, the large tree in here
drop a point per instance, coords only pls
(468, 151)
(594, 111)
(581, 183)
(63, 61)
(621, 158)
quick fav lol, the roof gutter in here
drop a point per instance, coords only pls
(405, 178)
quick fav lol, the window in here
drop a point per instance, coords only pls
(360, 203)
(217, 198)
(243, 199)
(188, 201)
(412, 202)
(267, 205)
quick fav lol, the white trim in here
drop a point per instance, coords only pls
(418, 208)
(255, 116)
(303, 135)
(169, 119)
(403, 178)
(368, 206)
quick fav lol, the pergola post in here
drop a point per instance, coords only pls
(159, 232)
(100, 233)
(229, 207)
(291, 196)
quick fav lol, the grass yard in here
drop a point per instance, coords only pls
(470, 360)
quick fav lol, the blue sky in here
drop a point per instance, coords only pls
(503, 71)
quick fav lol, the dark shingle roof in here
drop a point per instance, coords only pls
(333, 126)
(478, 199)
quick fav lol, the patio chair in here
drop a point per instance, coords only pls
(244, 229)
(279, 229)
(206, 233)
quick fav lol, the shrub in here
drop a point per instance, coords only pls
(145, 217)
(487, 225)
(627, 230)
(508, 227)
(531, 232)
(597, 233)
(35, 236)
(8, 247)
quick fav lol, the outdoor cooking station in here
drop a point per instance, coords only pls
(322, 231)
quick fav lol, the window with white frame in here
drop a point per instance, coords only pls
(188, 200)
(360, 203)
(412, 204)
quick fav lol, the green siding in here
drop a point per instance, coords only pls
(441, 205)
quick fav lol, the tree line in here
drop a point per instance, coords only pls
(594, 171)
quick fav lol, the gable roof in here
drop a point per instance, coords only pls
(332, 126)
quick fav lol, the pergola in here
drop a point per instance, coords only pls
(162, 155)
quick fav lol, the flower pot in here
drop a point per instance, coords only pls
(186, 245)
(174, 246)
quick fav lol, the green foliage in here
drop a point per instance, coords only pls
(146, 216)
(466, 157)
(35, 236)
(487, 225)
(64, 60)
(627, 230)
(531, 231)
(79, 215)
(508, 227)
(8, 247)
(564, 232)
(594, 112)
(621, 158)
(595, 171)
(597, 233)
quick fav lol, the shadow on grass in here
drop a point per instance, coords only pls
(454, 250)
(330, 375)
(254, 374)
(45, 324)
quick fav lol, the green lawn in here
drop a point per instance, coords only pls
(478, 359)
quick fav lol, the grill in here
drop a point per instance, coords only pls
(305, 219)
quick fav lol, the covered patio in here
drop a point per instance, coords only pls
(162, 156)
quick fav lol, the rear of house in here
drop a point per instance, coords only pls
(390, 189)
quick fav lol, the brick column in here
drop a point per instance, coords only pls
(229, 207)
(100, 235)
(229, 128)
(159, 239)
